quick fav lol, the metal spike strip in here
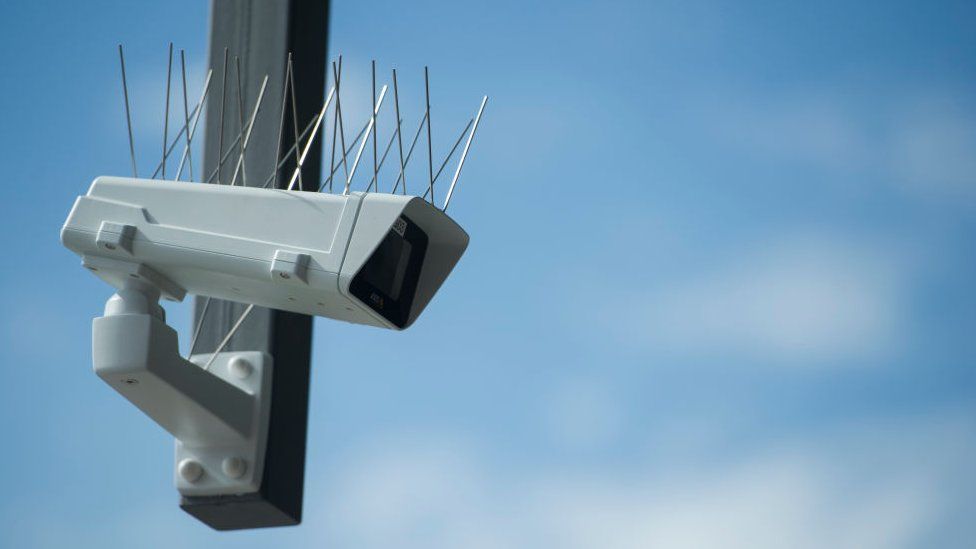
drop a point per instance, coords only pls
(450, 154)
(294, 116)
(240, 121)
(342, 133)
(396, 102)
(186, 116)
(311, 138)
(375, 166)
(128, 117)
(169, 74)
(464, 153)
(223, 105)
(198, 110)
(187, 131)
(335, 129)
(345, 155)
(386, 152)
(250, 128)
(430, 149)
(362, 144)
(416, 137)
(281, 123)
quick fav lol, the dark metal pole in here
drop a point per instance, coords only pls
(262, 33)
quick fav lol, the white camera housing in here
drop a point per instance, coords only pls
(366, 258)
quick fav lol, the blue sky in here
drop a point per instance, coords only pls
(718, 293)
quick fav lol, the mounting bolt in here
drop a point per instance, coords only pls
(234, 467)
(190, 470)
(240, 367)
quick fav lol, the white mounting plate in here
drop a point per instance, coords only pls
(214, 480)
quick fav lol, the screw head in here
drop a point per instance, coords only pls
(234, 467)
(240, 367)
(190, 470)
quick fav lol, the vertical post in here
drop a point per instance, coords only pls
(262, 34)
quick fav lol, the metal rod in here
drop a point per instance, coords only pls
(223, 160)
(430, 146)
(396, 103)
(342, 132)
(186, 112)
(294, 117)
(386, 152)
(250, 127)
(196, 120)
(293, 148)
(375, 167)
(230, 149)
(362, 144)
(196, 331)
(176, 141)
(240, 118)
(223, 105)
(328, 180)
(172, 145)
(128, 118)
(464, 154)
(169, 74)
(229, 335)
(416, 137)
(454, 148)
(335, 128)
(311, 138)
(450, 154)
(281, 123)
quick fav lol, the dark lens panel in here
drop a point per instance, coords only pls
(387, 281)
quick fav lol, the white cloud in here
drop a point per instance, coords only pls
(412, 490)
(797, 300)
(932, 146)
(809, 128)
(133, 522)
(922, 141)
(582, 413)
(780, 499)
(880, 484)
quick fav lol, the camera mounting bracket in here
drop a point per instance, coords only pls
(219, 416)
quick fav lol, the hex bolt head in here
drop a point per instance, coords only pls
(240, 367)
(190, 470)
(234, 467)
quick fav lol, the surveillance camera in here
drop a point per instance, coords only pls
(367, 258)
